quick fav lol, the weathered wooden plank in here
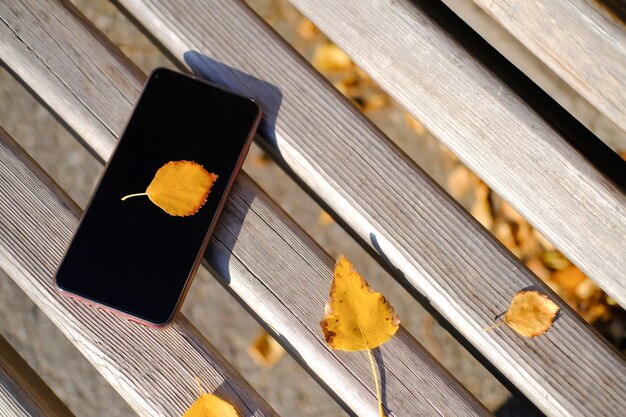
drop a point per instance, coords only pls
(578, 41)
(433, 245)
(488, 126)
(152, 369)
(22, 392)
(538, 71)
(263, 257)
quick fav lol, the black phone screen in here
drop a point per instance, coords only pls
(131, 255)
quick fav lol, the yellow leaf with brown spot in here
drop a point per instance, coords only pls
(531, 313)
(180, 188)
(209, 405)
(357, 317)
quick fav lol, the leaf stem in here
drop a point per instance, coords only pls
(133, 195)
(378, 391)
(494, 326)
(199, 385)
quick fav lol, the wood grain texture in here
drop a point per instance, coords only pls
(22, 392)
(538, 71)
(581, 43)
(431, 242)
(266, 260)
(152, 369)
(489, 127)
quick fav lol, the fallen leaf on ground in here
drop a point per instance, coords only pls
(528, 244)
(503, 231)
(265, 350)
(555, 260)
(538, 268)
(180, 188)
(481, 209)
(329, 57)
(414, 124)
(324, 218)
(357, 317)
(568, 278)
(530, 314)
(375, 102)
(307, 30)
(209, 405)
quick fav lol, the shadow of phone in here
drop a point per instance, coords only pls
(267, 95)
(269, 98)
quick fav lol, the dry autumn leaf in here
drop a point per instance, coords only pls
(324, 218)
(307, 30)
(265, 350)
(481, 209)
(530, 314)
(209, 405)
(414, 124)
(329, 57)
(180, 188)
(357, 317)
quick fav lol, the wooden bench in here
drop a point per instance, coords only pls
(429, 243)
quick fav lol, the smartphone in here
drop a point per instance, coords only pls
(131, 256)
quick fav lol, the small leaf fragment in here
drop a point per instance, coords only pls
(481, 209)
(357, 317)
(531, 313)
(180, 188)
(265, 350)
(324, 218)
(209, 405)
(329, 57)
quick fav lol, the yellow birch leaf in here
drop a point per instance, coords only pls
(538, 268)
(357, 317)
(414, 124)
(545, 243)
(209, 405)
(531, 313)
(180, 188)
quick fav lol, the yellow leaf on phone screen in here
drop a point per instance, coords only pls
(180, 188)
